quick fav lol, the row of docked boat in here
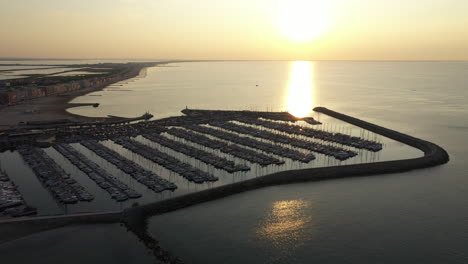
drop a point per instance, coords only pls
(340, 138)
(206, 157)
(336, 152)
(233, 114)
(12, 202)
(65, 189)
(118, 190)
(185, 170)
(78, 134)
(252, 143)
(233, 149)
(145, 177)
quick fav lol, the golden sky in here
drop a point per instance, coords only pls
(241, 29)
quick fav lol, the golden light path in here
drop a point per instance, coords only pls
(286, 223)
(300, 93)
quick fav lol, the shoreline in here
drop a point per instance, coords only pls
(54, 107)
(43, 108)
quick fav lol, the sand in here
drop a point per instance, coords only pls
(44, 108)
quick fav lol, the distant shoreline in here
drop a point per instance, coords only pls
(53, 107)
(217, 60)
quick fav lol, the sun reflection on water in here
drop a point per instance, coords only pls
(286, 224)
(300, 89)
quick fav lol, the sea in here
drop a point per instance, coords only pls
(414, 217)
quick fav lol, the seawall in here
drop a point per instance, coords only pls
(433, 156)
(432, 152)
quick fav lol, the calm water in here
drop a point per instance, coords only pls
(78, 244)
(419, 216)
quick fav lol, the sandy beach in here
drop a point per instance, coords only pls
(44, 108)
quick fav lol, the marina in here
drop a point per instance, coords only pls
(116, 189)
(149, 160)
(134, 217)
(64, 188)
(233, 132)
(145, 177)
(316, 133)
(12, 202)
(208, 158)
(233, 149)
(336, 152)
(187, 171)
(252, 143)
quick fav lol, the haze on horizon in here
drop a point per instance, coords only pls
(242, 29)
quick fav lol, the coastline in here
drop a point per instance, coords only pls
(54, 107)
(44, 108)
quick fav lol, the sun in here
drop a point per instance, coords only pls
(303, 20)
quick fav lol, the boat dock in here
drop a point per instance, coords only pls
(255, 144)
(336, 152)
(206, 157)
(116, 189)
(187, 171)
(316, 133)
(233, 149)
(145, 177)
(64, 188)
(12, 202)
(204, 149)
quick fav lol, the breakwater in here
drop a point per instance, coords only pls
(433, 155)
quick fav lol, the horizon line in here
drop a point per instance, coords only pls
(221, 60)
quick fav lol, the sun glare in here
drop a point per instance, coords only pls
(300, 92)
(303, 20)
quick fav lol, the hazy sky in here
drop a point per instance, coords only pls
(240, 29)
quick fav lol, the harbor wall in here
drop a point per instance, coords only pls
(433, 156)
